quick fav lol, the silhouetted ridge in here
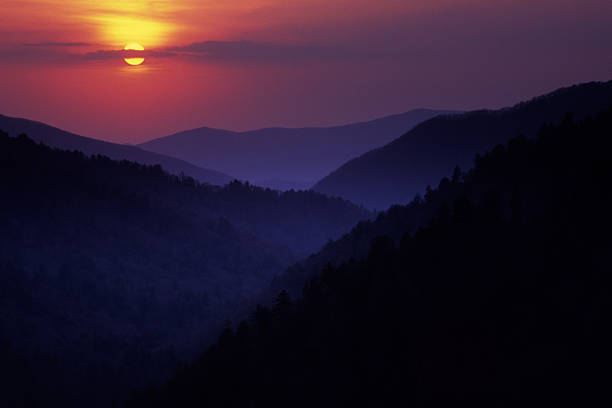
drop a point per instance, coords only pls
(58, 138)
(114, 271)
(502, 299)
(394, 173)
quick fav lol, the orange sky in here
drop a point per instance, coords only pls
(113, 23)
(243, 64)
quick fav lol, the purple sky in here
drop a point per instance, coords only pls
(301, 63)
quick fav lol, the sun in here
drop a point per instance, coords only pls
(134, 47)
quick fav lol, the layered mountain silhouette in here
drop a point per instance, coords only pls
(61, 139)
(285, 158)
(489, 287)
(500, 298)
(396, 172)
(112, 271)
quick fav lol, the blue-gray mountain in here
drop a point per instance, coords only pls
(396, 172)
(285, 158)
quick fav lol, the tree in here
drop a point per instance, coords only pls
(457, 175)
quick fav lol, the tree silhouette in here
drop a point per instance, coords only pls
(502, 299)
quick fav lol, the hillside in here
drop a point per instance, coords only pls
(113, 271)
(396, 172)
(285, 158)
(502, 299)
(61, 139)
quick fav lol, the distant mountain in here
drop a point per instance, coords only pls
(285, 158)
(395, 173)
(61, 139)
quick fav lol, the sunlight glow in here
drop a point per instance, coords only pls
(117, 30)
(134, 46)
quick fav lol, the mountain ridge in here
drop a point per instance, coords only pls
(59, 138)
(297, 156)
(396, 172)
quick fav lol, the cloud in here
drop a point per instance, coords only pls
(226, 51)
(68, 53)
(35, 54)
(204, 51)
(58, 44)
(114, 54)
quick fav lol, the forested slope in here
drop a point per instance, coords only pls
(112, 271)
(502, 299)
(396, 172)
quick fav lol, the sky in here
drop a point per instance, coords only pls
(247, 64)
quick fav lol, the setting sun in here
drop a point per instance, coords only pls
(134, 47)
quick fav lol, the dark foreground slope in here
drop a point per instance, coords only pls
(112, 271)
(503, 299)
(393, 174)
(61, 139)
(285, 158)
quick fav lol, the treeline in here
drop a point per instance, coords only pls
(502, 299)
(300, 220)
(113, 272)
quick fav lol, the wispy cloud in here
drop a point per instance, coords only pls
(58, 44)
(37, 54)
(204, 51)
(114, 54)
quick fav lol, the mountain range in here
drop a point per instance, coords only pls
(54, 137)
(284, 158)
(348, 160)
(396, 172)
(114, 273)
